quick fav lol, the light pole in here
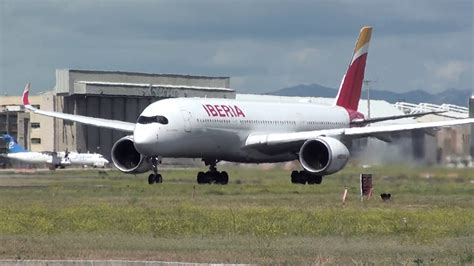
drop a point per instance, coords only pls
(367, 86)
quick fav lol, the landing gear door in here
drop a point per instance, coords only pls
(187, 120)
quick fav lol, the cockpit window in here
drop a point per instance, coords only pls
(152, 119)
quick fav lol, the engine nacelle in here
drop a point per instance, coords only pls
(323, 155)
(127, 159)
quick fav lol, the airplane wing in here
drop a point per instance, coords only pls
(364, 122)
(297, 138)
(99, 122)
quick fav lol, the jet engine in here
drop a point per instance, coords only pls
(127, 159)
(323, 155)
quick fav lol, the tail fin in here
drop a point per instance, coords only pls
(26, 91)
(13, 146)
(351, 85)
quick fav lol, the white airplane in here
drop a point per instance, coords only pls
(54, 159)
(249, 132)
(83, 159)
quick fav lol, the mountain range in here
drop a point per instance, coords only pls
(449, 96)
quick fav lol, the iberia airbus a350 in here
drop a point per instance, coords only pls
(249, 132)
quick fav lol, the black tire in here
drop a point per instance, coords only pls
(151, 179)
(224, 178)
(208, 178)
(294, 177)
(318, 179)
(158, 179)
(302, 177)
(201, 177)
(311, 179)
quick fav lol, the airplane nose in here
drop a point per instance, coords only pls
(145, 139)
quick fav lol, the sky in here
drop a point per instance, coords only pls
(262, 45)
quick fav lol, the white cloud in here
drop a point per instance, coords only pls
(451, 71)
(305, 55)
(448, 74)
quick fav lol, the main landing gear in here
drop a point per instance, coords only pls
(303, 177)
(212, 176)
(155, 177)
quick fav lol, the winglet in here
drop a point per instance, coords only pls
(351, 86)
(24, 97)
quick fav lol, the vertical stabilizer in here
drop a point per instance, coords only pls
(13, 146)
(351, 85)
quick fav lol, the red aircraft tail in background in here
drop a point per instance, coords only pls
(351, 86)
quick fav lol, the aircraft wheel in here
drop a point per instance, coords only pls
(311, 179)
(215, 177)
(151, 179)
(158, 179)
(208, 177)
(294, 177)
(223, 178)
(303, 177)
(318, 179)
(201, 177)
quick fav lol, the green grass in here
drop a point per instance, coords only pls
(260, 217)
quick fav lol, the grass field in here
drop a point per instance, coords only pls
(260, 217)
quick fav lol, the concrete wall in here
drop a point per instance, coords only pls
(45, 132)
(16, 124)
(149, 90)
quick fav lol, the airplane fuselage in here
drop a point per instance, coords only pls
(30, 157)
(73, 158)
(218, 128)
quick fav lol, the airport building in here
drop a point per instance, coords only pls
(105, 94)
(16, 122)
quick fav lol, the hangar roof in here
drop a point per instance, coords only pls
(121, 84)
(83, 71)
(115, 83)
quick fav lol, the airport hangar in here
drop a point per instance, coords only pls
(106, 94)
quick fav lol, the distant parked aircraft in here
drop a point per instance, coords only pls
(54, 159)
(250, 132)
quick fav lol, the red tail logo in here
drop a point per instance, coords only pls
(351, 86)
(26, 91)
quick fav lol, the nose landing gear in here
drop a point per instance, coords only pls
(212, 176)
(155, 177)
(303, 177)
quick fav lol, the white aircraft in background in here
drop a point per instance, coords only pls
(54, 159)
(249, 132)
